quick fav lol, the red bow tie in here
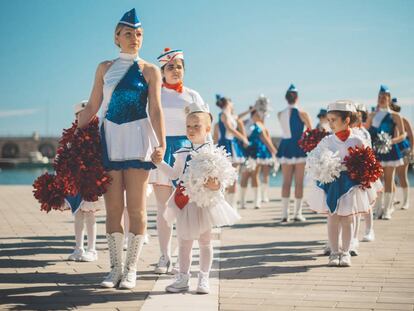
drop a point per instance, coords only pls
(178, 87)
(343, 135)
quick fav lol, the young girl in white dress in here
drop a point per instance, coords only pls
(192, 221)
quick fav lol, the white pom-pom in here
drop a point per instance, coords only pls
(323, 165)
(208, 162)
(383, 143)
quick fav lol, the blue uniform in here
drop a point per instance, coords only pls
(232, 145)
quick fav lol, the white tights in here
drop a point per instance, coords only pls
(162, 193)
(80, 219)
(337, 224)
(206, 253)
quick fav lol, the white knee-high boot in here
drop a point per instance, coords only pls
(406, 201)
(257, 198)
(285, 209)
(265, 196)
(298, 211)
(387, 205)
(378, 207)
(115, 241)
(129, 277)
(243, 191)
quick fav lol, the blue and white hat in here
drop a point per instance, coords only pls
(168, 55)
(292, 88)
(384, 89)
(342, 105)
(130, 19)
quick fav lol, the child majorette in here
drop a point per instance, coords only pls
(359, 130)
(260, 152)
(192, 221)
(291, 157)
(387, 130)
(84, 213)
(339, 197)
(231, 138)
(406, 147)
(175, 97)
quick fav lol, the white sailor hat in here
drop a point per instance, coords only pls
(80, 106)
(342, 105)
(197, 107)
(360, 107)
(168, 55)
(130, 19)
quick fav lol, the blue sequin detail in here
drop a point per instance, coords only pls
(257, 148)
(129, 99)
(387, 125)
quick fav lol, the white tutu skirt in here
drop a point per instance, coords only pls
(192, 220)
(355, 201)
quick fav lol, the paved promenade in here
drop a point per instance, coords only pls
(260, 264)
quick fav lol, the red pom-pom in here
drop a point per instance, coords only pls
(49, 191)
(363, 166)
(167, 50)
(311, 138)
(78, 166)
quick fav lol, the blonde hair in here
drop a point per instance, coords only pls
(206, 116)
(118, 30)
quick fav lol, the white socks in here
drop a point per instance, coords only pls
(298, 207)
(387, 205)
(243, 197)
(164, 231)
(378, 207)
(90, 229)
(79, 229)
(285, 208)
(206, 253)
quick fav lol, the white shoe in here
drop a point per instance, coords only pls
(405, 206)
(369, 237)
(175, 268)
(76, 255)
(299, 218)
(180, 284)
(203, 286)
(333, 260)
(326, 250)
(90, 255)
(146, 239)
(386, 215)
(163, 265)
(113, 278)
(345, 260)
(354, 247)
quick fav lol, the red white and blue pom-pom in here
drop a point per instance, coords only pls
(78, 167)
(311, 138)
(363, 166)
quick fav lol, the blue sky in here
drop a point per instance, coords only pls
(329, 49)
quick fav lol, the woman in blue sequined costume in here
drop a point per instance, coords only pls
(260, 152)
(127, 90)
(406, 148)
(231, 138)
(292, 158)
(387, 121)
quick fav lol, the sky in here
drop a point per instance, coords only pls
(329, 49)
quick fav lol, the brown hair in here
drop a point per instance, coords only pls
(222, 102)
(291, 97)
(345, 114)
